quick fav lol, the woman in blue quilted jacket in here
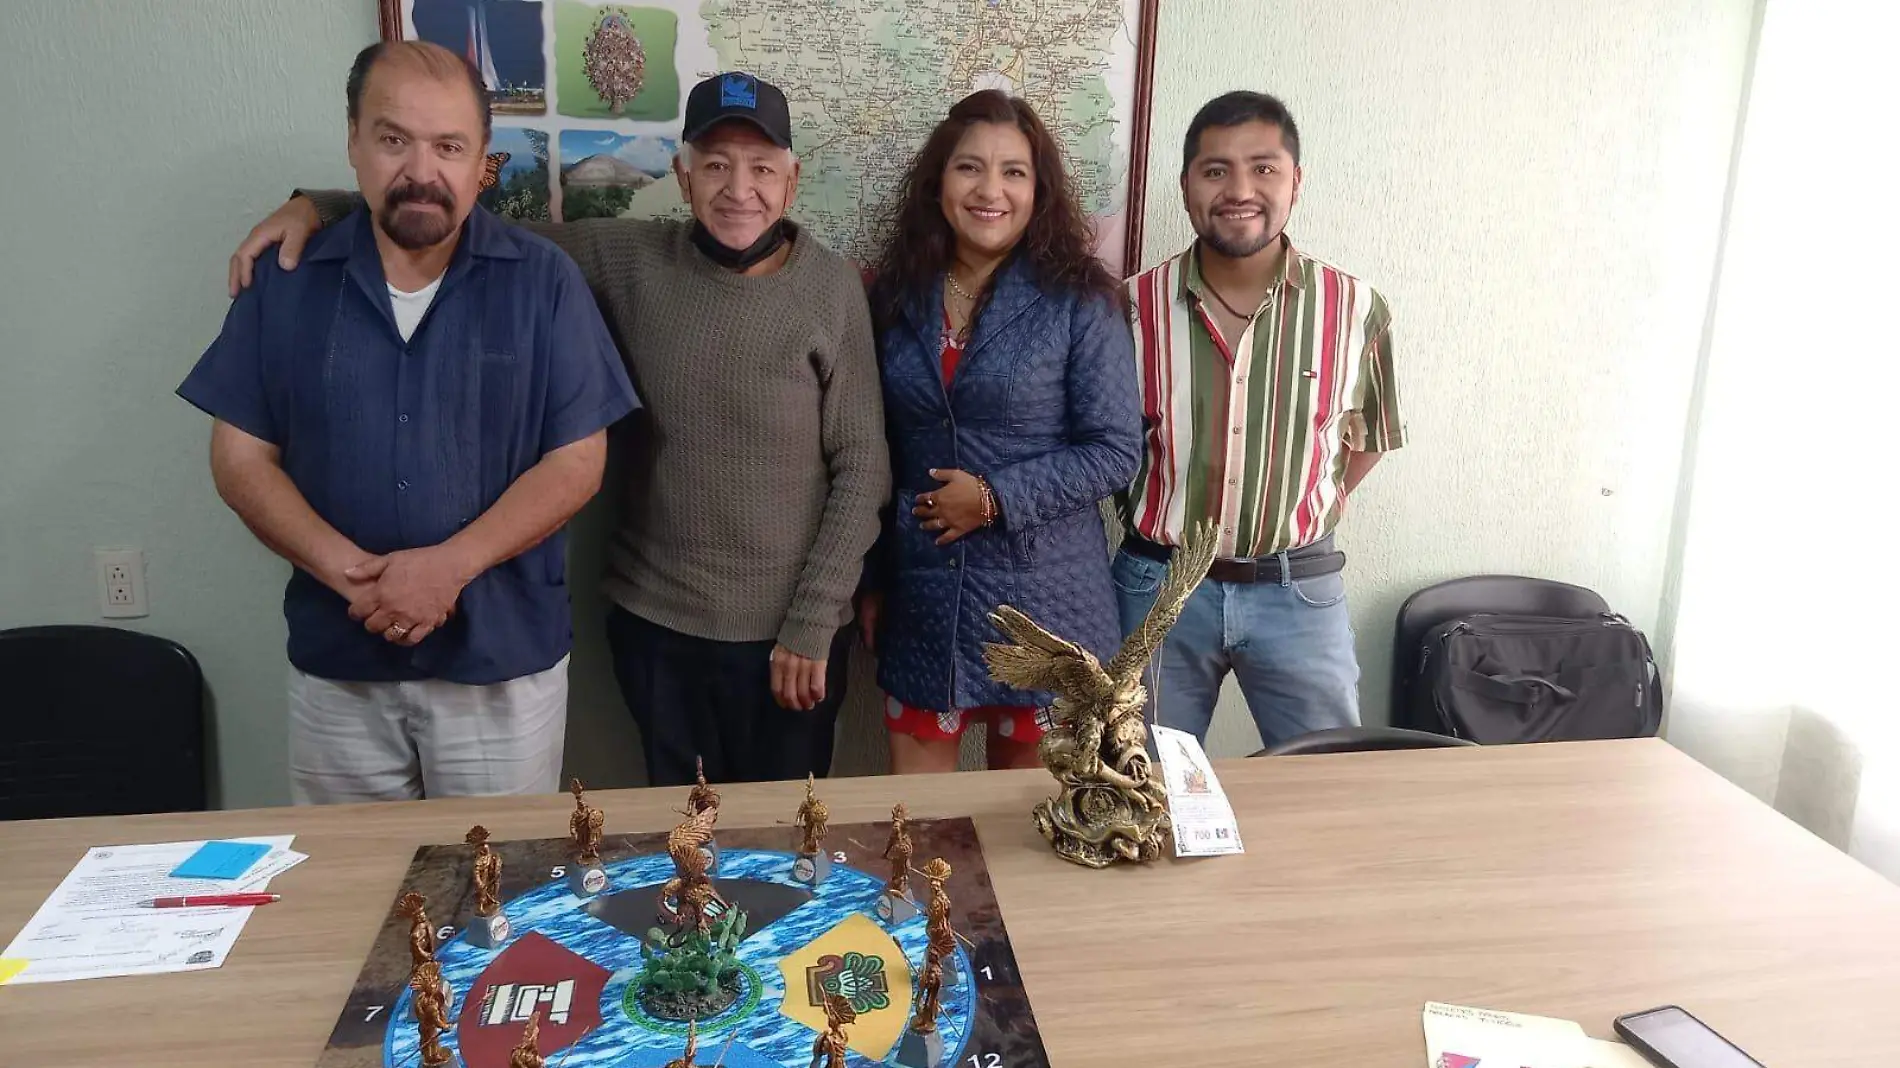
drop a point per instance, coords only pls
(1012, 409)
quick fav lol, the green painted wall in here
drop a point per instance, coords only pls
(143, 140)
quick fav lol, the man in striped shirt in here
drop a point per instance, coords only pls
(1268, 394)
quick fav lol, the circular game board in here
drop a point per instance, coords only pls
(577, 961)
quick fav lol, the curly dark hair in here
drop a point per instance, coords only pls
(919, 244)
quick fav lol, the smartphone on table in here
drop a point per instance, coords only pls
(1669, 1037)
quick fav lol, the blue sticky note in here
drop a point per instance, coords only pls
(220, 860)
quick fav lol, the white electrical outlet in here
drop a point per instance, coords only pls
(121, 583)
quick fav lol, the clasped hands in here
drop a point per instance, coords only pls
(963, 504)
(404, 596)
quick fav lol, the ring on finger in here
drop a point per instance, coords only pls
(396, 631)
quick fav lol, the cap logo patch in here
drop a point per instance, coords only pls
(738, 90)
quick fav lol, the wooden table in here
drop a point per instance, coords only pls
(1579, 881)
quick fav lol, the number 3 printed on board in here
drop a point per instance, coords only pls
(986, 1060)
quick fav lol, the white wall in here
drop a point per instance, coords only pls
(1534, 187)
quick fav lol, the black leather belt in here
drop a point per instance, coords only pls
(1307, 561)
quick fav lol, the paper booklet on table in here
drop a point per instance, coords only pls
(92, 925)
(1204, 823)
(1457, 1036)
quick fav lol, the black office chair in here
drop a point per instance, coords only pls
(1433, 605)
(98, 721)
(1361, 740)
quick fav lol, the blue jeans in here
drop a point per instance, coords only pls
(1288, 643)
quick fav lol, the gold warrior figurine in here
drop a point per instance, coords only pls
(812, 818)
(528, 1053)
(897, 851)
(431, 1015)
(422, 943)
(583, 829)
(421, 935)
(941, 943)
(831, 1044)
(487, 872)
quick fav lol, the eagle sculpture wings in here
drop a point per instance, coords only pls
(1111, 807)
(1035, 659)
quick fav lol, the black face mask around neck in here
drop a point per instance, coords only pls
(738, 259)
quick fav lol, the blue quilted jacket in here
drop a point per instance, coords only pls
(1045, 405)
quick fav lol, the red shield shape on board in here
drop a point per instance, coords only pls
(534, 974)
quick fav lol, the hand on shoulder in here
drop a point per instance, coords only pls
(289, 228)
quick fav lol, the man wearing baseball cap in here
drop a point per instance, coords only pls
(759, 466)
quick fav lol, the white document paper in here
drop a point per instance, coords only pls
(1204, 824)
(92, 925)
(1457, 1036)
(259, 874)
(1600, 1054)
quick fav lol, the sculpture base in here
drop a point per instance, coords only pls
(919, 1049)
(933, 1047)
(489, 932)
(811, 869)
(692, 1005)
(1096, 825)
(894, 908)
(586, 880)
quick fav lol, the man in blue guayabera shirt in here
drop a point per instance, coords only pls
(410, 420)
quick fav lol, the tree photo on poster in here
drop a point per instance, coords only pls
(587, 96)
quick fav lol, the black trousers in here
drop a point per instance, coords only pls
(698, 698)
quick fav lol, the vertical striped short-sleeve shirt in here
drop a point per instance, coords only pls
(1255, 437)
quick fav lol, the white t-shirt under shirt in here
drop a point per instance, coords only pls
(410, 307)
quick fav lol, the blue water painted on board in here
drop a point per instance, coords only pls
(764, 1037)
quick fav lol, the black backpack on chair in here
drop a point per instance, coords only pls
(1496, 678)
(1498, 659)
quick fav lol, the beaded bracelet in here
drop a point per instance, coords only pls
(989, 501)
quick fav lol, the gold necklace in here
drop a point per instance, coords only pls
(951, 276)
(959, 331)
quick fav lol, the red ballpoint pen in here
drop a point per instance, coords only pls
(228, 900)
